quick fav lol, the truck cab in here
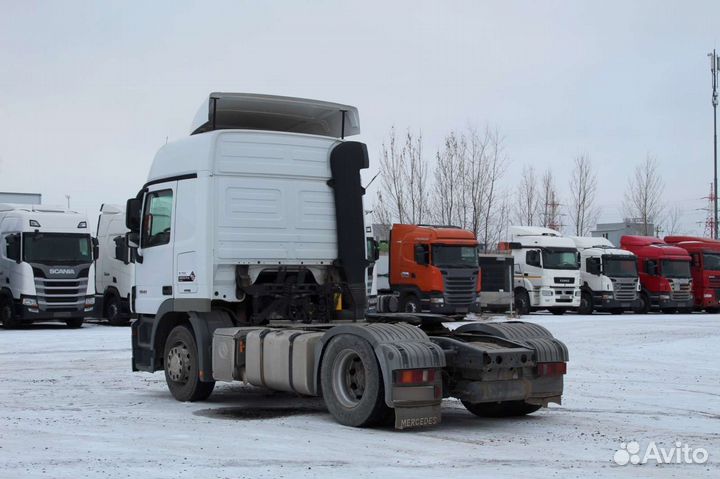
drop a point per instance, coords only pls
(609, 277)
(547, 270)
(665, 278)
(431, 268)
(705, 269)
(46, 265)
(114, 268)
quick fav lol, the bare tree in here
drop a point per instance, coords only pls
(643, 196)
(450, 184)
(549, 202)
(673, 221)
(583, 187)
(403, 193)
(494, 207)
(527, 198)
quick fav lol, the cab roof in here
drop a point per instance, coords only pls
(694, 243)
(433, 233)
(649, 246)
(251, 111)
(602, 245)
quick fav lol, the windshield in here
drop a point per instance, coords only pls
(675, 268)
(711, 261)
(619, 267)
(560, 259)
(57, 248)
(455, 256)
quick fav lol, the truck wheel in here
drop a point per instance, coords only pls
(712, 310)
(181, 367)
(74, 323)
(500, 409)
(522, 303)
(644, 306)
(7, 313)
(113, 311)
(616, 311)
(352, 383)
(669, 311)
(410, 304)
(558, 311)
(586, 304)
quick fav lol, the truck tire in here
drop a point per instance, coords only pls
(669, 310)
(558, 311)
(586, 304)
(501, 409)
(522, 303)
(352, 383)
(410, 304)
(617, 311)
(113, 311)
(644, 307)
(7, 313)
(712, 310)
(181, 367)
(74, 323)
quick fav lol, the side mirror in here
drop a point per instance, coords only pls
(13, 248)
(95, 248)
(133, 210)
(651, 268)
(121, 249)
(593, 266)
(375, 250)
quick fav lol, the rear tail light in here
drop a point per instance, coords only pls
(552, 369)
(407, 377)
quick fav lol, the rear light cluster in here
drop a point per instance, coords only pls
(412, 377)
(552, 369)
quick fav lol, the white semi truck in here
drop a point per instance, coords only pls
(547, 274)
(46, 265)
(609, 277)
(251, 266)
(114, 267)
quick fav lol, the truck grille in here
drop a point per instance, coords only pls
(680, 291)
(625, 290)
(61, 294)
(714, 282)
(460, 289)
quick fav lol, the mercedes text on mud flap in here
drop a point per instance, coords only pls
(251, 266)
(46, 265)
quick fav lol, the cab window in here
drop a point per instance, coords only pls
(157, 218)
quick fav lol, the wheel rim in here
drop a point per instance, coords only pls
(113, 310)
(348, 378)
(411, 307)
(178, 363)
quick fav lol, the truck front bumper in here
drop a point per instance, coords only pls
(664, 301)
(26, 314)
(432, 304)
(604, 303)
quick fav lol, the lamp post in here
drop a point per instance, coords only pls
(714, 61)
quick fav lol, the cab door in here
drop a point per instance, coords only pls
(154, 267)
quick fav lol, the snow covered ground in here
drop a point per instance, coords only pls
(72, 408)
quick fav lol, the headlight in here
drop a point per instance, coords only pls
(664, 296)
(437, 300)
(546, 292)
(707, 295)
(30, 302)
(90, 300)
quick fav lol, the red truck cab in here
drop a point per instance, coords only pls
(705, 269)
(433, 268)
(664, 274)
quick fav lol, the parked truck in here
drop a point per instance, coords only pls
(704, 268)
(250, 266)
(496, 282)
(114, 268)
(547, 270)
(665, 279)
(46, 265)
(431, 269)
(608, 275)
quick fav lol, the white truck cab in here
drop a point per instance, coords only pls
(609, 276)
(547, 272)
(114, 268)
(46, 265)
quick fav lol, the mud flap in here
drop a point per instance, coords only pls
(413, 417)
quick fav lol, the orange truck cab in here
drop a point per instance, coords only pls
(432, 268)
(705, 269)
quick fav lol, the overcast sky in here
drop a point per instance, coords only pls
(90, 90)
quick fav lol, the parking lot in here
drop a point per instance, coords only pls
(72, 408)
